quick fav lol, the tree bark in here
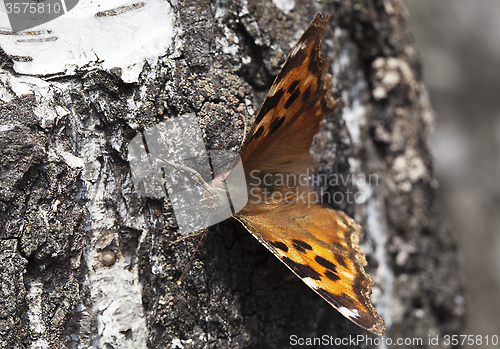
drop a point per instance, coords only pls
(84, 259)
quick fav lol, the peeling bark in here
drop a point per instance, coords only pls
(85, 260)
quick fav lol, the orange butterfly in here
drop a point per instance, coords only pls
(319, 244)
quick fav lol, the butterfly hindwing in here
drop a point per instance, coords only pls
(320, 245)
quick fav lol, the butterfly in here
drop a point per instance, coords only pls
(319, 244)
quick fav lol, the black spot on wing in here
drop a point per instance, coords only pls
(338, 300)
(301, 246)
(341, 260)
(331, 276)
(316, 62)
(258, 133)
(280, 245)
(293, 86)
(330, 297)
(269, 104)
(298, 248)
(326, 263)
(293, 97)
(294, 117)
(346, 301)
(276, 123)
(302, 270)
(306, 95)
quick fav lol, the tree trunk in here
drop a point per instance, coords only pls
(85, 260)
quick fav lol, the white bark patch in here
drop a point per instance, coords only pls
(284, 5)
(47, 111)
(116, 293)
(244, 9)
(228, 44)
(35, 315)
(389, 73)
(354, 114)
(115, 289)
(376, 228)
(5, 96)
(70, 159)
(408, 169)
(108, 34)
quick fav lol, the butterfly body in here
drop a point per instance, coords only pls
(319, 244)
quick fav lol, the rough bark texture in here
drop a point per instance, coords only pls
(69, 210)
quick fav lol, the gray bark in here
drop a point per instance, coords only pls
(84, 260)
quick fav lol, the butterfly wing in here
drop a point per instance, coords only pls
(297, 102)
(318, 244)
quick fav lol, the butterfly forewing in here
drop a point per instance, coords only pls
(291, 115)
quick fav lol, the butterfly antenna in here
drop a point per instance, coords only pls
(181, 210)
(185, 238)
(187, 171)
(179, 282)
